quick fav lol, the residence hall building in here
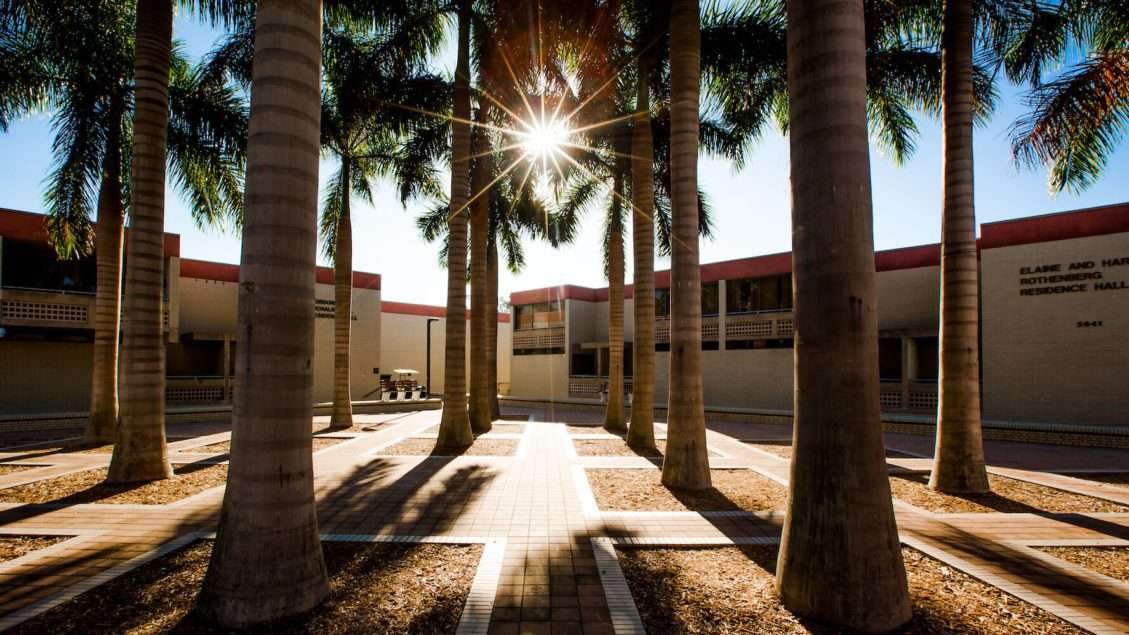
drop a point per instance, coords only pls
(1054, 317)
(47, 327)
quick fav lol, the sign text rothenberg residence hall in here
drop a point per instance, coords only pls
(1076, 277)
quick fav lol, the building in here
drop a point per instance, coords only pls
(1054, 311)
(47, 319)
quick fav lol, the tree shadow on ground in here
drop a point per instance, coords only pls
(992, 500)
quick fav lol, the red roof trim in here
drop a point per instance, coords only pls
(29, 226)
(1093, 221)
(225, 272)
(425, 310)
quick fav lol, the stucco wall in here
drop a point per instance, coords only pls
(909, 298)
(38, 377)
(1057, 357)
(364, 348)
(539, 376)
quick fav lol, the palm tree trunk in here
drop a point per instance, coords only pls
(840, 561)
(641, 434)
(614, 420)
(267, 561)
(492, 327)
(958, 465)
(686, 464)
(480, 414)
(342, 416)
(454, 428)
(103, 419)
(140, 452)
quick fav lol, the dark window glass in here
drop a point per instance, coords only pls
(33, 265)
(662, 303)
(710, 305)
(749, 295)
(890, 359)
(927, 359)
(537, 316)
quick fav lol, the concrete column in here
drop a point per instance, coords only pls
(172, 274)
(227, 369)
(721, 308)
(907, 366)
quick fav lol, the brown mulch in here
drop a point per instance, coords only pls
(482, 446)
(642, 490)
(223, 447)
(89, 486)
(321, 428)
(1110, 561)
(619, 447)
(1111, 478)
(732, 590)
(1009, 496)
(6, 468)
(374, 588)
(12, 547)
(783, 448)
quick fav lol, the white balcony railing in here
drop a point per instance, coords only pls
(43, 307)
(539, 339)
(756, 326)
(710, 329)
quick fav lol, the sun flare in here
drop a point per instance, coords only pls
(542, 139)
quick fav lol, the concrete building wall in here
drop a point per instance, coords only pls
(208, 306)
(540, 376)
(45, 376)
(404, 345)
(1057, 357)
(909, 298)
(364, 348)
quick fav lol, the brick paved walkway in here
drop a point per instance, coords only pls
(550, 563)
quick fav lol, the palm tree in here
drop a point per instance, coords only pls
(267, 560)
(1078, 116)
(481, 410)
(454, 428)
(140, 452)
(840, 560)
(373, 123)
(686, 463)
(958, 463)
(78, 62)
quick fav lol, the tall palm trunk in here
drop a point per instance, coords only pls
(480, 414)
(641, 434)
(958, 465)
(342, 416)
(267, 560)
(614, 420)
(840, 560)
(686, 464)
(492, 327)
(103, 419)
(454, 428)
(140, 452)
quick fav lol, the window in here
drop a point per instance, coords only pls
(662, 303)
(583, 361)
(927, 359)
(710, 304)
(538, 316)
(33, 265)
(890, 359)
(735, 345)
(751, 295)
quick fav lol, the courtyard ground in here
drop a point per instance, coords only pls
(555, 527)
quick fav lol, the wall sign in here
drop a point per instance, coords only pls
(1084, 276)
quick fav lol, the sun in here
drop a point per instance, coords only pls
(543, 138)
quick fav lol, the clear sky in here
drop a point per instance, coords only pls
(751, 207)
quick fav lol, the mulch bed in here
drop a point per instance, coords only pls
(6, 468)
(1009, 496)
(619, 447)
(1110, 561)
(223, 447)
(12, 547)
(89, 486)
(374, 588)
(321, 428)
(482, 446)
(1111, 478)
(783, 449)
(642, 490)
(732, 590)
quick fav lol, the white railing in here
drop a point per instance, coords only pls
(591, 387)
(535, 339)
(41, 307)
(756, 326)
(710, 329)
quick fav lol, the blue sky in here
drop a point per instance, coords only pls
(751, 207)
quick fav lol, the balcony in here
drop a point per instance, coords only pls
(759, 326)
(46, 308)
(591, 387)
(186, 390)
(710, 329)
(910, 396)
(539, 340)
